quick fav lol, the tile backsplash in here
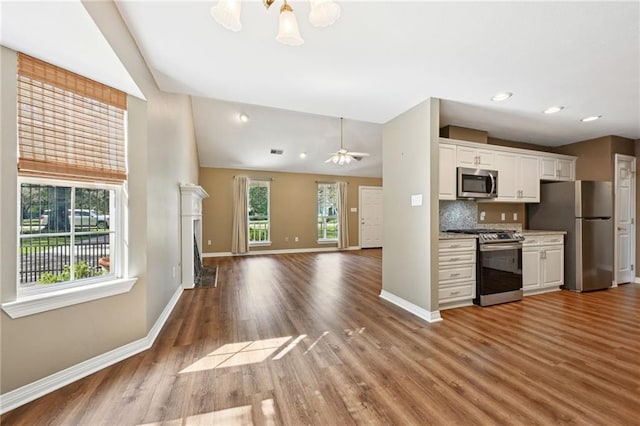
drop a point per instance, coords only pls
(458, 215)
(461, 214)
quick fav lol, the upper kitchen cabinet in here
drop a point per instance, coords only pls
(447, 188)
(474, 158)
(518, 177)
(557, 169)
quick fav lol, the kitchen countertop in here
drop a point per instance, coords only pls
(452, 236)
(530, 232)
(542, 232)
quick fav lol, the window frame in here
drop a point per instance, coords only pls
(115, 229)
(337, 216)
(267, 242)
(29, 302)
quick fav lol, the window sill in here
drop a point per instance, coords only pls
(327, 241)
(59, 299)
(262, 244)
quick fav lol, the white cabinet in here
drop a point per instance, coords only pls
(518, 177)
(475, 158)
(559, 169)
(542, 263)
(447, 188)
(456, 272)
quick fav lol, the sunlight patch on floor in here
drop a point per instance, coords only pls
(243, 353)
(241, 415)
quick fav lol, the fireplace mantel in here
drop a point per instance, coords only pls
(191, 212)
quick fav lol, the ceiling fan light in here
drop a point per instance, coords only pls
(227, 14)
(323, 13)
(288, 32)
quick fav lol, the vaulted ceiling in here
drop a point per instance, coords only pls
(378, 60)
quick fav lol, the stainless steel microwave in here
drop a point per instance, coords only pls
(477, 183)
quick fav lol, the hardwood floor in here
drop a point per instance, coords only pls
(305, 339)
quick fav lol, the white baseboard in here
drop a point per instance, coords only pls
(281, 251)
(410, 307)
(34, 390)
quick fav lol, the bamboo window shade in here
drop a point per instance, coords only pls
(69, 127)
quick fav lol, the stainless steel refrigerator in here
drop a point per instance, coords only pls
(584, 209)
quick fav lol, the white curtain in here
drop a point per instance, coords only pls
(240, 238)
(343, 216)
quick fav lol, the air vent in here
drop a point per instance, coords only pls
(276, 151)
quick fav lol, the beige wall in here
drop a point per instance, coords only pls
(596, 156)
(170, 159)
(637, 264)
(293, 208)
(162, 154)
(464, 134)
(410, 167)
(514, 144)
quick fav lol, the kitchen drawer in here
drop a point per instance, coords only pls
(458, 292)
(457, 258)
(465, 272)
(552, 239)
(458, 245)
(532, 241)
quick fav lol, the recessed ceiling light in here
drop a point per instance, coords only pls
(243, 117)
(590, 118)
(553, 109)
(502, 96)
(303, 155)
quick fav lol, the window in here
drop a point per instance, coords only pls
(67, 234)
(71, 180)
(259, 212)
(327, 212)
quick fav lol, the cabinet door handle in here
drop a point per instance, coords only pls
(455, 275)
(455, 246)
(454, 259)
(453, 293)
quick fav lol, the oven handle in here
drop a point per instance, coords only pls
(500, 247)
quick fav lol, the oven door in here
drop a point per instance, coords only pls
(499, 273)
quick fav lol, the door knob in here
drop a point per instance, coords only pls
(620, 228)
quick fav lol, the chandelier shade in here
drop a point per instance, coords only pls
(323, 13)
(288, 32)
(227, 14)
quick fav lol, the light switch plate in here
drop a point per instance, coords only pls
(416, 200)
(354, 209)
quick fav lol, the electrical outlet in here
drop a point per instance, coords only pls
(483, 215)
(297, 239)
(515, 216)
(208, 242)
(503, 216)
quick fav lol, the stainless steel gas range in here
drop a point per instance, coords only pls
(499, 265)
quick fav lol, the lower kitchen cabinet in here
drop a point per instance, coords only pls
(456, 272)
(542, 263)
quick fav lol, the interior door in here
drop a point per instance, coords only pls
(370, 216)
(625, 210)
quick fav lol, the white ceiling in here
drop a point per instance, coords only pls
(377, 61)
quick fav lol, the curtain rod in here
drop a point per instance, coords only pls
(256, 178)
(335, 181)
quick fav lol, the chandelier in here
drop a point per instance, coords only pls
(323, 13)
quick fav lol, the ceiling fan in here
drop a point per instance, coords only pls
(342, 156)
